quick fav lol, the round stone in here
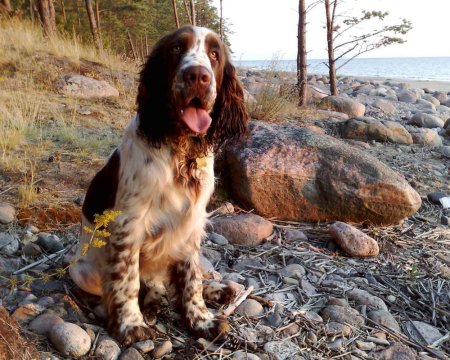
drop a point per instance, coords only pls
(250, 308)
(44, 323)
(162, 349)
(70, 339)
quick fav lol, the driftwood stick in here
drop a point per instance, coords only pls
(232, 307)
(43, 260)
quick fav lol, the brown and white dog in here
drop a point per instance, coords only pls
(161, 178)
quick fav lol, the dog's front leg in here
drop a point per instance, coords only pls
(121, 286)
(186, 278)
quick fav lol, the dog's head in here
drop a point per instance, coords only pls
(189, 87)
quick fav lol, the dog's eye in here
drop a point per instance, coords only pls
(176, 49)
(214, 55)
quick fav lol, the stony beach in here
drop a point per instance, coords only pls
(336, 218)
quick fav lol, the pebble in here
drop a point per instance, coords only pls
(144, 346)
(281, 350)
(8, 244)
(7, 213)
(365, 346)
(337, 301)
(225, 209)
(353, 241)
(336, 345)
(240, 355)
(385, 318)
(251, 282)
(32, 250)
(397, 351)
(445, 220)
(28, 299)
(391, 298)
(162, 349)
(435, 196)
(342, 315)
(445, 202)
(24, 314)
(236, 277)
(217, 239)
(295, 235)
(243, 229)
(335, 328)
(70, 339)
(274, 320)
(107, 349)
(250, 308)
(49, 243)
(419, 330)
(131, 354)
(362, 297)
(293, 271)
(43, 324)
(212, 255)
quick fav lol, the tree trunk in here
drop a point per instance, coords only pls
(63, 11)
(301, 54)
(5, 7)
(175, 13)
(93, 25)
(194, 22)
(331, 61)
(221, 21)
(188, 12)
(47, 15)
(97, 17)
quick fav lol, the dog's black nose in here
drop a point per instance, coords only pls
(197, 76)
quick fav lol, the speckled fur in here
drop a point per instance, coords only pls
(162, 193)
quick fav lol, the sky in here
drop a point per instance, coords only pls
(267, 29)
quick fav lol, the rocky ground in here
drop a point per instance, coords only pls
(321, 289)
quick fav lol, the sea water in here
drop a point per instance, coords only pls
(414, 68)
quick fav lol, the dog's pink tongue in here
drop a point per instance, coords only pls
(198, 120)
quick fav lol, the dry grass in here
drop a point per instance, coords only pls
(41, 127)
(22, 39)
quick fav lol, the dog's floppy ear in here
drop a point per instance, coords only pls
(229, 114)
(153, 98)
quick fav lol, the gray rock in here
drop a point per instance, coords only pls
(343, 315)
(31, 249)
(295, 271)
(162, 349)
(281, 350)
(425, 120)
(397, 351)
(425, 105)
(441, 96)
(85, 87)
(131, 354)
(445, 151)
(44, 323)
(9, 265)
(431, 99)
(49, 243)
(445, 220)
(384, 105)
(385, 318)
(240, 355)
(212, 255)
(425, 137)
(243, 229)
(362, 297)
(336, 328)
(407, 96)
(344, 105)
(336, 345)
(367, 129)
(295, 235)
(107, 349)
(206, 266)
(7, 213)
(217, 239)
(434, 197)
(250, 308)
(144, 346)
(421, 332)
(70, 339)
(9, 245)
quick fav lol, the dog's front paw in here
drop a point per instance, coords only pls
(220, 293)
(216, 328)
(131, 334)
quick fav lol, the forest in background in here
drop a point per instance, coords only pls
(127, 27)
